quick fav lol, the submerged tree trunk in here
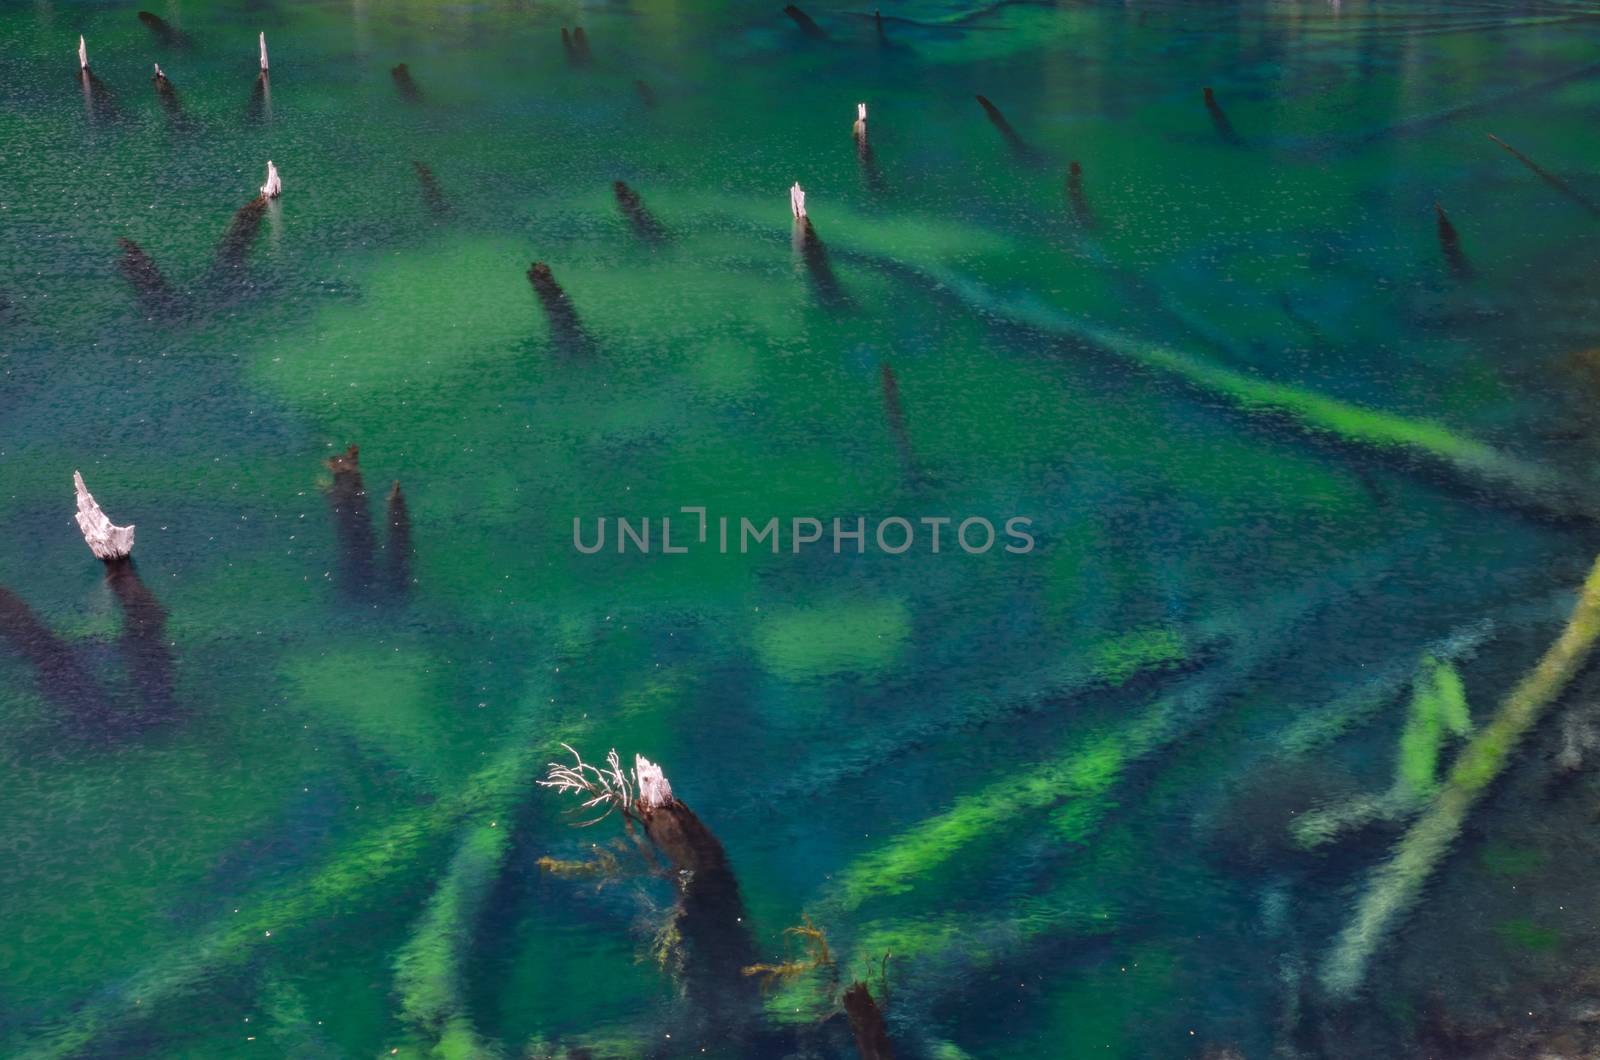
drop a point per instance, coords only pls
(866, 1021)
(352, 523)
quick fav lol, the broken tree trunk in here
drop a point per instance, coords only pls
(106, 540)
(866, 1021)
(398, 550)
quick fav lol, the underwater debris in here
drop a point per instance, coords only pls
(808, 246)
(143, 643)
(154, 293)
(164, 31)
(97, 97)
(580, 45)
(356, 870)
(866, 1021)
(1219, 119)
(816, 955)
(430, 969)
(1076, 197)
(645, 226)
(565, 327)
(60, 672)
(404, 82)
(167, 95)
(398, 549)
(1018, 145)
(709, 916)
(432, 194)
(807, 25)
(864, 153)
(352, 522)
(647, 95)
(1549, 178)
(1450, 246)
(107, 541)
(1394, 885)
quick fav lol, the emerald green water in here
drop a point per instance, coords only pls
(1275, 446)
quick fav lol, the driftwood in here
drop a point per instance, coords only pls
(645, 226)
(105, 540)
(1450, 245)
(1219, 119)
(866, 1022)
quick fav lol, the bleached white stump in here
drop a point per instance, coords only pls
(263, 41)
(654, 791)
(106, 540)
(797, 201)
(860, 127)
(83, 54)
(273, 187)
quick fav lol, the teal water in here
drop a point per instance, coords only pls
(1289, 456)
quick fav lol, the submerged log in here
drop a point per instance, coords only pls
(1076, 197)
(398, 549)
(404, 82)
(580, 44)
(155, 294)
(1450, 245)
(164, 32)
(645, 226)
(260, 106)
(106, 540)
(864, 155)
(877, 20)
(1018, 145)
(144, 643)
(1219, 119)
(61, 674)
(352, 523)
(647, 95)
(866, 1022)
(167, 95)
(807, 25)
(97, 99)
(1549, 178)
(808, 246)
(1395, 886)
(895, 413)
(241, 233)
(432, 194)
(565, 327)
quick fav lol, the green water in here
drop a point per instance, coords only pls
(1278, 445)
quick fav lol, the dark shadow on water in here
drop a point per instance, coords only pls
(259, 110)
(165, 34)
(1450, 245)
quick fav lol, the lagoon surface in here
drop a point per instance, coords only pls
(1233, 762)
